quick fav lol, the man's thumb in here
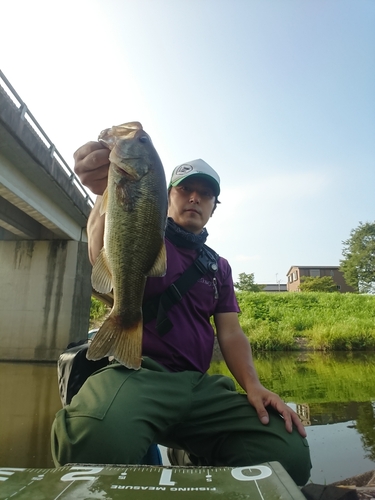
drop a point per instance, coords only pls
(263, 416)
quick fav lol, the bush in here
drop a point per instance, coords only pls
(98, 310)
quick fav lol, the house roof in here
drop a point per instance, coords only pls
(274, 287)
(312, 267)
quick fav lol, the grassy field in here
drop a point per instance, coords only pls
(279, 321)
(326, 321)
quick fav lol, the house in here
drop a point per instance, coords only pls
(296, 272)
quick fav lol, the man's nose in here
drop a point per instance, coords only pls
(194, 197)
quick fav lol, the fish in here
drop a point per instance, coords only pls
(135, 205)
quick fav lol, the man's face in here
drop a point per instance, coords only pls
(191, 204)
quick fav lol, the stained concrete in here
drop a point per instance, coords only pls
(45, 298)
(45, 285)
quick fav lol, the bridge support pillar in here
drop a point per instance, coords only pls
(45, 294)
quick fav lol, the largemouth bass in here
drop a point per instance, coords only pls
(135, 205)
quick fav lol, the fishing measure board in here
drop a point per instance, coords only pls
(268, 481)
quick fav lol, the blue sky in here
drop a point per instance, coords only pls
(277, 95)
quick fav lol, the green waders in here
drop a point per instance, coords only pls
(118, 413)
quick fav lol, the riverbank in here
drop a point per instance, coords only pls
(319, 321)
(300, 344)
(297, 321)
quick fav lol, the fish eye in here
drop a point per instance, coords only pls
(143, 138)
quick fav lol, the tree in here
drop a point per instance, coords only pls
(358, 264)
(317, 284)
(246, 283)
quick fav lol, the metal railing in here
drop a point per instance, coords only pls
(27, 115)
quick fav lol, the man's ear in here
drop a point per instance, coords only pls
(215, 205)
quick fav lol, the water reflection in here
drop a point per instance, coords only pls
(315, 377)
(29, 400)
(333, 393)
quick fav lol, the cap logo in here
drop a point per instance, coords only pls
(183, 169)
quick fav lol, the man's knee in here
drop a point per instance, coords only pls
(296, 461)
(75, 440)
(245, 449)
(84, 439)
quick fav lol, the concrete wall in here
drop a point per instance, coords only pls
(45, 293)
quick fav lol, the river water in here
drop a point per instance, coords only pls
(334, 395)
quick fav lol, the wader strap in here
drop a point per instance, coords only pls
(159, 306)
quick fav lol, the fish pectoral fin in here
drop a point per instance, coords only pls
(125, 345)
(104, 203)
(101, 276)
(160, 265)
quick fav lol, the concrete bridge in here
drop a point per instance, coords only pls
(45, 285)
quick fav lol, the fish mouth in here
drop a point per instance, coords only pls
(124, 165)
(132, 158)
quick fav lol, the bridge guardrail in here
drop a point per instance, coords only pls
(27, 115)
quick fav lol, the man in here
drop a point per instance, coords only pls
(171, 400)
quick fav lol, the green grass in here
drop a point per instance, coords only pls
(98, 312)
(328, 321)
(272, 322)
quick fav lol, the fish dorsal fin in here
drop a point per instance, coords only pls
(160, 265)
(101, 277)
(104, 203)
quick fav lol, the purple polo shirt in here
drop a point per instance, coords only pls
(189, 344)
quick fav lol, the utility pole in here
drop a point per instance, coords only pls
(278, 281)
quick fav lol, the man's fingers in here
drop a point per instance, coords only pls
(87, 149)
(288, 420)
(300, 427)
(90, 159)
(261, 411)
(291, 418)
(96, 180)
(262, 414)
(91, 166)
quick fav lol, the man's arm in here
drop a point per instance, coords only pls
(236, 350)
(91, 166)
(95, 231)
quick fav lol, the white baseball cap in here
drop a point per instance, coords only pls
(197, 168)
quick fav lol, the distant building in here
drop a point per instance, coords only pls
(296, 272)
(274, 287)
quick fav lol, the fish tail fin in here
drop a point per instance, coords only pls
(124, 344)
(128, 348)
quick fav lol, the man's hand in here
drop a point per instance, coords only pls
(260, 398)
(91, 165)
